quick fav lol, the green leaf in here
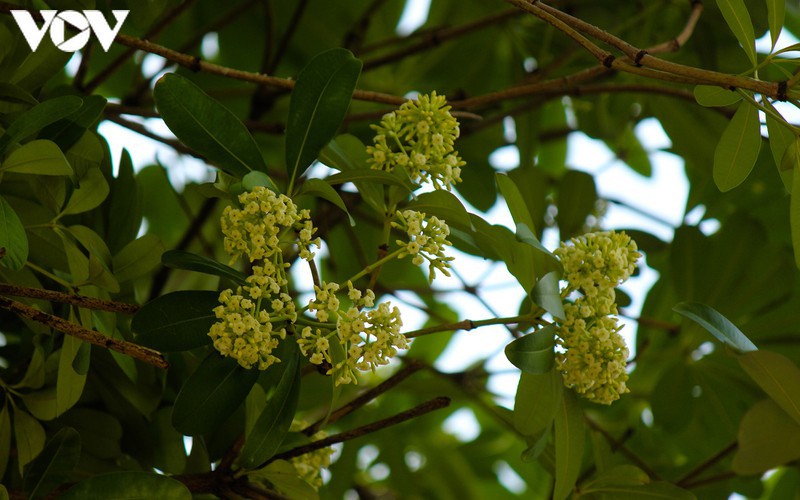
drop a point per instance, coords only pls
(515, 201)
(345, 152)
(794, 204)
(258, 178)
(29, 436)
(629, 149)
(39, 157)
(737, 150)
(5, 438)
(54, 465)
(73, 364)
(13, 240)
(768, 437)
(93, 191)
(178, 259)
(138, 257)
(738, 19)
(38, 117)
(368, 175)
(537, 400)
(443, 205)
(713, 96)
(129, 485)
(285, 478)
(272, 425)
(546, 294)
(321, 189)
(577, 194)
(177, 321)
(319, 102)
(569, 443)
(778, 376)
(716, 324)
(206, 126)
(533, 353)
(776, 12)
(780, 140)
(215, 390)
(67, 132)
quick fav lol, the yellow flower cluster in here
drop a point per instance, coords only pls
(256, 229)
(309, 465)
(427, 239)
(246, 320)
(419, 137)
(367, 338)
(594, 358)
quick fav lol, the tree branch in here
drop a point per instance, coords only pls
(135, 351)
(77, 300)
(686, 480)
(623, 449)
(417, 411)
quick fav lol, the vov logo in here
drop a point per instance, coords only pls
(84, 22)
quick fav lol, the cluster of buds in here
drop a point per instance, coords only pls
(252, 321)
(594, 358)
(427, 238)
(255, 230)
(367, 338)
(309, 465)
(419, 137)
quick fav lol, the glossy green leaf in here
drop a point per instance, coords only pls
(514, 200)
(768, 437)
(54, 465)
(178, 259)
(285, 478)
(319, 102)
(206, 126)
(258, 178)
(321, 189)
(577, 195)
(712, 96)
(368, 175)
(717, 325)
(9, 92)
(29, 436)
(547, 295)
(138, 257)
(129, 485)
(443, 205)
(68, 131)
(780, 139)
(13, 240)
(348, 154)
(569, 444)
(39, 157)
(272, 425)
(738, 19)
(177, 321)
(5, 438)
(215, 390)
(92, 192)
(794, 204)
(38, 117)
(537, 400)
(737, 150)
(776, 13)
(778, 376)
(71, 374)
(533, 353)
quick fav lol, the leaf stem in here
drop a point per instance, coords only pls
(469, 324)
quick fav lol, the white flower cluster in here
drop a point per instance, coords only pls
(427, 239)
(419, 137)
(594, 358)
(367, 338)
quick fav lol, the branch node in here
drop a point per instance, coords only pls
(609, 60)
(782, 88)
(639, 56)
(196, 65)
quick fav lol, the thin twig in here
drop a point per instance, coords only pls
(686, 480)
(409, 368)
(417, 411)
(77, 300)
(679, 41)
(135, 351)
(617, 445)
(142, 130)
